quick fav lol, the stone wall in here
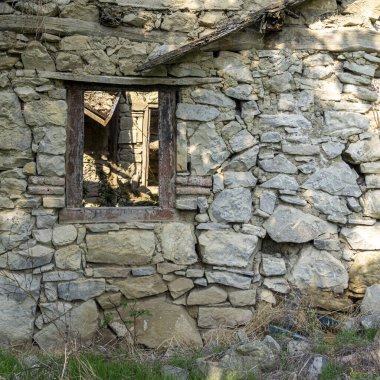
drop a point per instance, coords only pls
(282, 159)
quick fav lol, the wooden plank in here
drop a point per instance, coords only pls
(127, 81)
(167, 157)
(68, 26)
(116, 214)
(74, 148)
(232, 26)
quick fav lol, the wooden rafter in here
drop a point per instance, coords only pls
(255, 17)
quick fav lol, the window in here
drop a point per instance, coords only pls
(120, 161)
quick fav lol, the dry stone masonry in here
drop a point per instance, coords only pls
(278, 172)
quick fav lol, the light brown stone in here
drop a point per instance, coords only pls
(212, 317)
(180, 286)
(208, 296)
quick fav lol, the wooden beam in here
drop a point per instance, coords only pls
(69, 26)
(232, 26)
(127, 81)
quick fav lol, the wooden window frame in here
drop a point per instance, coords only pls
(74, 212)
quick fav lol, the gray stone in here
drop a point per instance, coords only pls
(109, 300)
(231, 65)
(232, 206)
(277, 284)
(372, 181)
(81, 10)
(281, 182)
(268, 202)
(178, 243)
(288, 224)
(63, 235)
(180, 286)
(193, 272)
(102, 227)
(48, 165)
(319, 269)
(33, 257)
(109, 272)
(208, 150)
(362, 237)
(129, 247)
(179, 21)
(53, 310)
(138, 287)
(217, 317)
(239, 179)
(239, 298)
(344, 124)
(337, 179)
(326, 203)
(81, 289)
(187, 69)
(167, 324)
(165, 267)
(19, 297)
(227, 248)
(333, 149)
(371, 321)
(241, 141)
(45, 112)
(280, 83)
(241, 92)
(353, 79)
(272, 266)
(35, 56)
(278, 164)
(143, 271)
(363, 151)
(286, 121)
(370, 167)
(69, 257)
(371, 203)
(231, 129)
(196, 112)
(229, 279)
(77, 325)
(371, 301)
(293, 200)
(60, 276)
(300, 149)
(243, 161)
(26, 94)
(270, 137)
(360, 92)
(368, 70)
(213, 98)
(249, 109)
(186, 203)
(209, 296)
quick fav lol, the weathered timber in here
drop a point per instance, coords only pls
(191, 190)
(232, 26)
(74, 148)
(166, 152)
(68, 26)
(194, 181)
(116, 214)
(127, 81)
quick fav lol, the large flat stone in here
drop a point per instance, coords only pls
(326, 203)
(285, 120)
(227, 248)
(363, 151)
(45, 112)
(319, 269)
(232, 65)
(363, 237)
(196, 112)
(288, 224)
(19, 296)
(168, 324)
(82, 289)
(178, 243)
(208, 150)
(219, 317)
(36, 57)
(234, 280)
(344, 124)
(208, 296)
(371, 204)
(232, 205)
(78, 326)
(130, 247)
(337, 179)
(138, 287)
(364, 271)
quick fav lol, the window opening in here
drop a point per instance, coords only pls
(121, 149)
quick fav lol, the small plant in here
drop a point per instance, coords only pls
(332, 372)
(107, 320)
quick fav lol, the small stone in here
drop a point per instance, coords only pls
(268, 202)
(81, 289)
(229, 279)
(69, 257)
(63, 235)
(241, 141)
(180, 286)
(239, 179)
(277, 284)
(371, 301)
(209, 296)
(239, 298)
(143, 271)
(196, 112)
(282, 182)
(279, 164)
(214, 317)
(272, 266)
